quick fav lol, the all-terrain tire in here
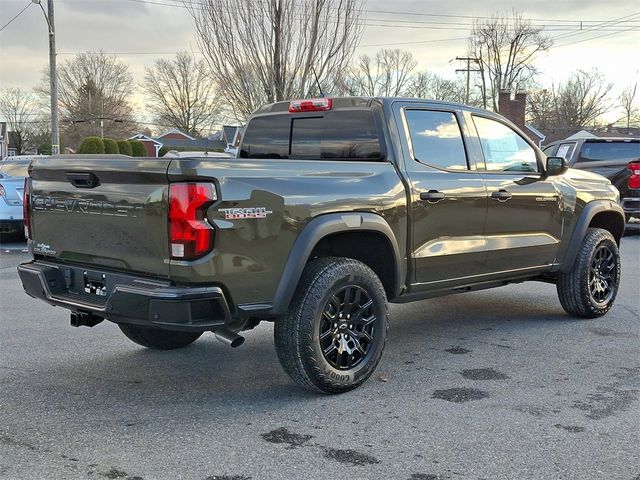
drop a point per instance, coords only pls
(301, 346)
(577, 288)
(158, 339)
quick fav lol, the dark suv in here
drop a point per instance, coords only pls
(618, 159)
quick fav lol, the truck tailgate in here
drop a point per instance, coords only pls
(102, 211)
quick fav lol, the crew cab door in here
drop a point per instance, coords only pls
(448, 198)
(524, 214)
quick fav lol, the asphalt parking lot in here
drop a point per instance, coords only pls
(498, 384)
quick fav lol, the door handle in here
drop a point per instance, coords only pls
(432, 196)
(501, 195)
(83, 180)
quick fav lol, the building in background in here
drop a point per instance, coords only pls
(514, 109)
(4, 140)
(152, 146)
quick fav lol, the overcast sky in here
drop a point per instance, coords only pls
(133, 26)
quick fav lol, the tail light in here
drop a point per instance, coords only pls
(190, 235)
(26, 207)
(312, 105)
(634, 179)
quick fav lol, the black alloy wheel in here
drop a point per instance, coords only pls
(602, 274)
(347, 328)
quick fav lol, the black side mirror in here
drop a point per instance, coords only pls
(556, 166)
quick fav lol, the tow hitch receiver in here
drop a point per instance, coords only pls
(86, 319)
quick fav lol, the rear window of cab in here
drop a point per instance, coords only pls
(332, 135)
(609, 150)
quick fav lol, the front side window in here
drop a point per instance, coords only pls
(504, 150)
(436, 139)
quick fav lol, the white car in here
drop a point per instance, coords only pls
(13, 171)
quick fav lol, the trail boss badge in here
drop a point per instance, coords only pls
(245, 213)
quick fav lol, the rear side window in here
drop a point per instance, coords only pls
(436, 139)
(565, 150)
(336, 135)
(267, 137)
(602, 151)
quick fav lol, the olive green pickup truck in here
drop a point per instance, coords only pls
(333, 208)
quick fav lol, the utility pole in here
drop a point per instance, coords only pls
(53, 75)
(468, 70)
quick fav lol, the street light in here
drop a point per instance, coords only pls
(53, 76)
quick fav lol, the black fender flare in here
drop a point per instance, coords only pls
(316, 230)
(589, 211)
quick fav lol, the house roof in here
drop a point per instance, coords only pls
(144, 138)
(217, 135)
(175, 131)
(535, 131)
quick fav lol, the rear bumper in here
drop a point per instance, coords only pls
(11, 226)
(631, 206)
(126, 298)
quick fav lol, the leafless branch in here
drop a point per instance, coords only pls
(264, 51)
(181, 93)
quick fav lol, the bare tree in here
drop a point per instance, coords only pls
(181, 93)
(431, 86)
(19, 110)
(93, 91)
(505, 47)
(540, 109)
(272, 50)
(629, 104)
(579, 101)
(388, 74)
(582, 99)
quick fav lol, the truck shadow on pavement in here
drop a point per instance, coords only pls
(251, 377)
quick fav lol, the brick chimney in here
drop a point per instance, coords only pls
(513, 109)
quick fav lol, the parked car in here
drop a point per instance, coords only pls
(333, 208)
(618, 159)
(13, 171)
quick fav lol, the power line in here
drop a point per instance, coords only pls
(364, 45)
(179, 3)
(595, 27)
(400, 23)
(19, 13)
(599, 36)
(414, 42)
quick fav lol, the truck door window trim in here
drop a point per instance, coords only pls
(407, 133)
(482, 167)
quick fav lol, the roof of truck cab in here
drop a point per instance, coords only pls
(363, 102)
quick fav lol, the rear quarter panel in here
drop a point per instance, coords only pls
(250, 254)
